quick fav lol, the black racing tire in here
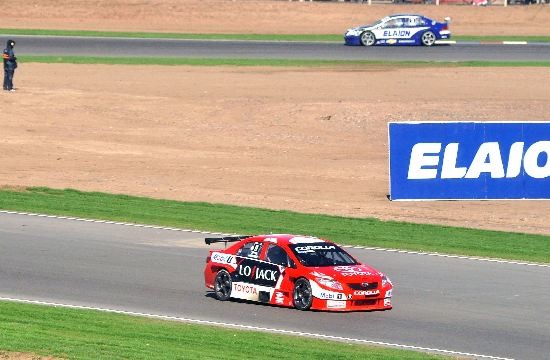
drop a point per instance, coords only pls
(302, 297)
(428, 38)
(222, 285)
(368, 38)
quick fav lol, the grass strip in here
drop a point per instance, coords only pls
(175, 61)
(178, 36)
(87, 334)
(247, 220)
(248, 37)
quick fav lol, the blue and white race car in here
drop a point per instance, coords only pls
(403, 29)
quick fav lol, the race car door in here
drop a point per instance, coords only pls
(253, 279)
(282, 291)
(392, 30)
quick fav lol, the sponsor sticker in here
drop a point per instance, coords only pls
(279, 297)
(336, 304)
(367, 292)
(257, 273)
(312, 248)
(331, 295)
(305, 240)
(352, 271)
(222, 258)
(244, 289)
(321, 275)
(387, 302)
(399, 33)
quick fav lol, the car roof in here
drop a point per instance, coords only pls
(287, 239)
(396, 15)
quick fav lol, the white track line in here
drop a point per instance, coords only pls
(492, 260)
(514, 43)
(501, 261)
(256, 328)
(445, 42)
(111, 222)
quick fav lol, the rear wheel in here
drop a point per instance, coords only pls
(428, 38)
(222, 285)
(368, 38)
(302, 296)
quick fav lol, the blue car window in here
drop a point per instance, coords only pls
(411, 22)
(401, 22)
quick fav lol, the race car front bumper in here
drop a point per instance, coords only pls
(352, 305)
(352, 40)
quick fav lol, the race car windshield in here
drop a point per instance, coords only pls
(374, 23)
(321, 254)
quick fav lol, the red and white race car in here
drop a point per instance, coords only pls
(299, 271)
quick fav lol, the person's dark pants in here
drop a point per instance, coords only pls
(8, 79)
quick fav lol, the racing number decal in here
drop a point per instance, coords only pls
(255, 250)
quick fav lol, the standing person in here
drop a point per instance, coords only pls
(10, 64)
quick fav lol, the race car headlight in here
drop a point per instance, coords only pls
(353, 32)
(333, 284)
(385, 280)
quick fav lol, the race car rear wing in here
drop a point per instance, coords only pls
(225, 239)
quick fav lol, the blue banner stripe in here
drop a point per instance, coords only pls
(469, 160)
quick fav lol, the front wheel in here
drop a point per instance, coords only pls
(368, 38)
(222, 285)
(302, 294)
(428, 38)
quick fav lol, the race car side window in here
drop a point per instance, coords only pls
(250, 250)
(387, 24)
(420, 22)
(411, 22)
(277, 255)
(401, 22)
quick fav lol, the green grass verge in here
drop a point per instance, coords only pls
(174, 61)
(257, 37)
(246, 220)
(86, 334)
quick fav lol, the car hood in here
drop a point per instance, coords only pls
(362, 27)
(348, 274)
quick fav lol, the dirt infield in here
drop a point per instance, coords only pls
(23, 356)
(311, 140)
(241, 16)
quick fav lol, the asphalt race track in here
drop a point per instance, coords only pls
(463, 305)
(89, 46)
